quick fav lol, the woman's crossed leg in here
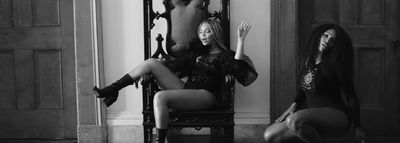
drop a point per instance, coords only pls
(309, 125)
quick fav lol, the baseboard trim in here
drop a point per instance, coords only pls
(252, 118)
(134, 133)
(137, 119)
(92, 133)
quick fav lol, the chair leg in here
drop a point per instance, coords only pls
(228, 134)
(148, 134)
(215, 134)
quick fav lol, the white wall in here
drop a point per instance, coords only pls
(123, 49)
(252, 102)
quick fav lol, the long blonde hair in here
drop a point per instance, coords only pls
(217, 30)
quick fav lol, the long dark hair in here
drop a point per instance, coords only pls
(339, 57)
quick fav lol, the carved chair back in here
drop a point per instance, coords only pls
(182, 20)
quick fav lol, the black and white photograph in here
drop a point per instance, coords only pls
(199, 71)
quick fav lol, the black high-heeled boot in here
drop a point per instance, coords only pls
(110, 93)
(160, 136)
(110, 100)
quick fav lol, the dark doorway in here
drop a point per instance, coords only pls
(373, 25)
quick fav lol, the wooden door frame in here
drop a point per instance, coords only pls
(284, 47)
(91, 119)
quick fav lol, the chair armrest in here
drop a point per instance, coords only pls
(145, 79)
(226, 100)
(150, 87)
(229, 80)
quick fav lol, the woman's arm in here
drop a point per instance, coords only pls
(289, 111)
(243, 29)
(238, 64)
(300, 97)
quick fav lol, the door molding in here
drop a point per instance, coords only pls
(284, 45)
(89, 71)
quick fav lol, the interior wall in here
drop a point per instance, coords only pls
(123, 49)
(252, 102)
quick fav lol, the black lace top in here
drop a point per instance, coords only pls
(207, 71)
(316, 98)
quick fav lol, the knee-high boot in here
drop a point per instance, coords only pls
(160, 136)
(110, 93)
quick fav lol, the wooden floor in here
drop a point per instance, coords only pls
(38, 141)
(194, 139)
(207, 139)
(376, 139)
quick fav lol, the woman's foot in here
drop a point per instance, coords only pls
(108, 91)
(109, 95)
(160, 135)
(110, 100)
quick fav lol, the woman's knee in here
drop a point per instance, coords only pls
(269, 136)
(275, 133)
(152, 62)
(294, 122)
(160, 98)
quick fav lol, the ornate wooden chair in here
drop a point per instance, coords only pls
(181, 29)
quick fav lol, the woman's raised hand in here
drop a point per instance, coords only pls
(243, 29)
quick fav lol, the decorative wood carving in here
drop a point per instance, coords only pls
(218, 118)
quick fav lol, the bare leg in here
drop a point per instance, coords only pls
(280, 133)
(181, 99)
(312, 124)
(166, 79)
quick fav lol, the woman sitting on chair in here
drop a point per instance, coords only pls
(206, 65)
(327, 87)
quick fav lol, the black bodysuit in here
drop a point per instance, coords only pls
(318, 98)
(327, 89)
(206, 71)
(205, 74)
